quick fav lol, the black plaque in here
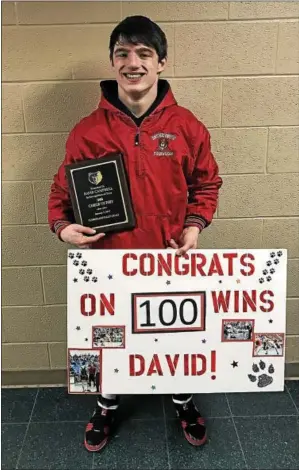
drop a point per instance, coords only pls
(100, 194)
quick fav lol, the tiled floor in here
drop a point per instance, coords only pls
(43, 429)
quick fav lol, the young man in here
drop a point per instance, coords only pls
(173, 177)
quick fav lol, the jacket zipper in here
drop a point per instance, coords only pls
(140, 165)
(137, 136)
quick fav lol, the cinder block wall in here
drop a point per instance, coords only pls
(234, 64)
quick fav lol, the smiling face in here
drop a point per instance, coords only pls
(136, 67)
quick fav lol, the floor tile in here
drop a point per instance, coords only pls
(293, 386)
(137, 445)
(261, 403)
(222, 451)
(209, 405)
(55, 446)
(140, 407)
(55, 404)
(16, 404)
(270, 443)
(12, 436)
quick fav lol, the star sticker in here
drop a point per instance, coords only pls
(234, 364)
(110, 276)
(270, 321)
(168, 282)
(204, 341)
(116, 371)
(78, 328)
(75, 279)
(86, 339)
(153, 387)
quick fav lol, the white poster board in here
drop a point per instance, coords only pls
(148, 321)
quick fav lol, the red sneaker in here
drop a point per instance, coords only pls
(192, 423)
(98, 430)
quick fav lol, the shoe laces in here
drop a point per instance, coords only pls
(189, 413)
(101, 417)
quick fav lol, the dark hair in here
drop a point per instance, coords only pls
(139, 30)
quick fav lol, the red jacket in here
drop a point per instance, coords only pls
(173, 176)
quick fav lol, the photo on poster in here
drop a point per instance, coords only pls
(84, 370)
(108, 336)
(268, 344)
(237, 330)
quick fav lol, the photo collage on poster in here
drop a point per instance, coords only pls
(84, 365)
(264, 344)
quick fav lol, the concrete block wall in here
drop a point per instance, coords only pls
(236, 65)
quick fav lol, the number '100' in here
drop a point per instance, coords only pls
(175, 312)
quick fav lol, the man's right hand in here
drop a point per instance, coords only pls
(74, 234)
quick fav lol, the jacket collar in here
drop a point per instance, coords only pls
(110, 101)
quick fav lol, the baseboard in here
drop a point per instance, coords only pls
(55, 378)
(34, 378)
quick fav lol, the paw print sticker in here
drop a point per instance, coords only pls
(86, 278)
(94, 279)
(81, 271)
(75, 262)
(261, 279)
(71, 255)
(279, 253)
(269, 278)
(79, 255)
(89, 271)
(262, 380)
(272, 271)
(276, 261)
(269, 263)
(84, 263)
(265, 272)
(272, 254)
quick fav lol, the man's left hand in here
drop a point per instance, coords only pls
(188, 241)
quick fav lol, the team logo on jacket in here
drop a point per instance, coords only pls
(163, 143)
(95, 178)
